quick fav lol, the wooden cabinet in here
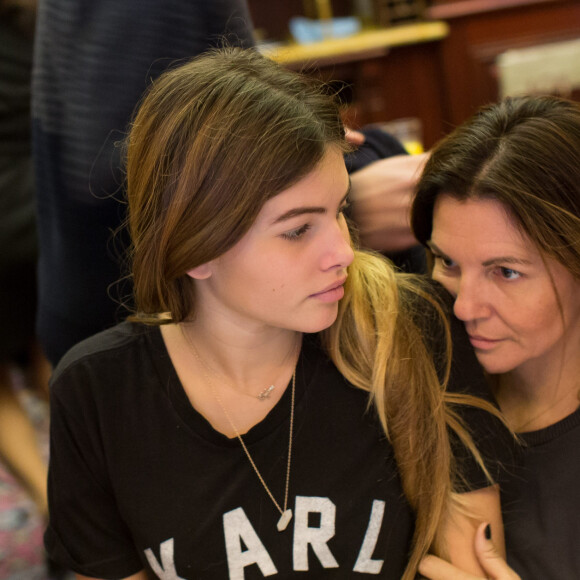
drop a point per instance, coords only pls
(481, 30)
(439, 71)
(389, 73)
(404, 83)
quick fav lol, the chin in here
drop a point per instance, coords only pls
(318, 323)
(495, 367)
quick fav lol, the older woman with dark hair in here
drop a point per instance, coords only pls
(498, 206)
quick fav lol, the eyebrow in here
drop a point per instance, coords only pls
(507, 260)
(497, 260)
(435, 249)
(298, 211)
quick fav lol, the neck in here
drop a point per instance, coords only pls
(247, 360)
(536, 396)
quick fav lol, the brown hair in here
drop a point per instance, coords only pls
(212, 141)
(525, 153)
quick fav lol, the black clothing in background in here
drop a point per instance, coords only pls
(18, 242)
(541, 504)
(93, 61)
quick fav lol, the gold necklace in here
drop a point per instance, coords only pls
(285, 513)
(521, 427)
(262, 395)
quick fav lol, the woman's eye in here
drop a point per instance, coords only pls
(509, 274)
(297, 233)
(444, 261)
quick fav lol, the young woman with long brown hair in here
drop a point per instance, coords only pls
(219, 433)
(498, 206)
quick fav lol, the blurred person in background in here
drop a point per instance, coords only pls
(93, 61)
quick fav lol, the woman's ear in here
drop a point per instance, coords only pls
(202, 272)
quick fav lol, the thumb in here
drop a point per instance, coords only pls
(354, 137)
(489, 558)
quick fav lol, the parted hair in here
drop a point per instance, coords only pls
(211, 142)
(523, 152)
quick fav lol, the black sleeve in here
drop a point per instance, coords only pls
(494, 441)
(86, 532)
(378, 145)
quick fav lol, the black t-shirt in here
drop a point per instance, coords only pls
(541, 504)
(139, 479)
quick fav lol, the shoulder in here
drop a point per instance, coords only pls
(110, 374)
(108, 346)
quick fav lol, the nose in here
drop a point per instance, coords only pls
(338, 251)
(471, 301)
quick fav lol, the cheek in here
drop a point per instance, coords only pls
(570, 298)
(540, 324)
(279, 276)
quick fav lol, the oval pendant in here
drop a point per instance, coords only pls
(284, 520)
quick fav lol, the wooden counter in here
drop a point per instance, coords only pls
(440, 71)
(366, 44)
(389, 73)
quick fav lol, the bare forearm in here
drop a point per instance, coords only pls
(19, 445)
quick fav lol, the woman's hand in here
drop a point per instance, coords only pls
(490, 560)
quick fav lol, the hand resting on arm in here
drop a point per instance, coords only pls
(490, 559)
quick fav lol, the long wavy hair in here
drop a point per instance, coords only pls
(212, 141)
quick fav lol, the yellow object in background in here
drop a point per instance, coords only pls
(317, 9)
(408, 131)
(413, 147)
(324, 9)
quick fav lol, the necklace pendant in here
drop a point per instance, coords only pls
(265, 394)
(284, 520)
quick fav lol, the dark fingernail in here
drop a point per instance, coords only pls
(487, 532)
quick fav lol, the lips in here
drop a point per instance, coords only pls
(331, 293)
(483, 343)
(332, 286)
